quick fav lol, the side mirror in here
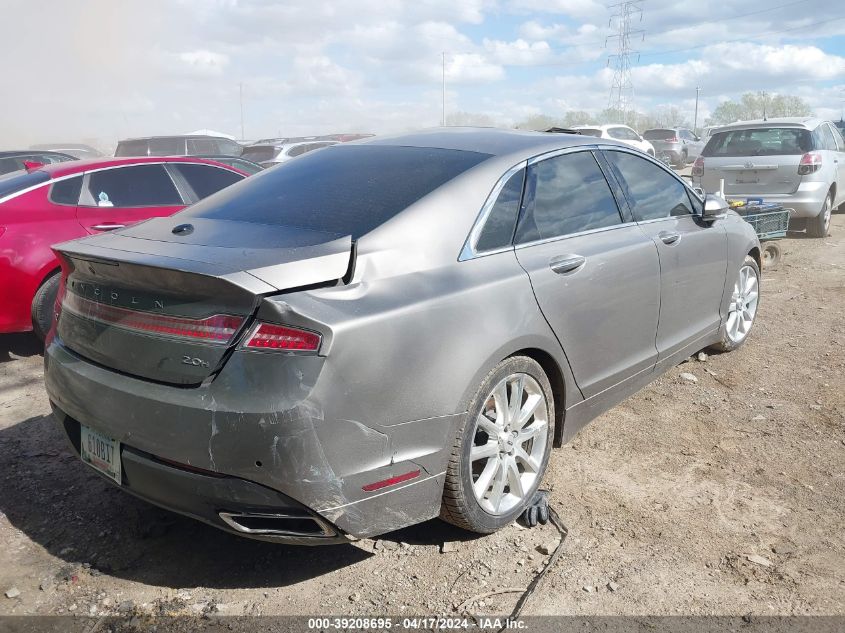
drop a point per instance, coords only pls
(715, 207)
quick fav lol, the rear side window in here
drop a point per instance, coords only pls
(590, 132)
(132, 148)
(761, 141)
(205, 179)
(136, 186)
(566, 194)
(623, 134)
(651, 192)
(66, 191)
(346, 189)
(498, 229)
(825, 138)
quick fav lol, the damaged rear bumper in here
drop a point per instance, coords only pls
(263, 444)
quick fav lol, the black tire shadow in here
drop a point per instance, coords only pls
(23, 345)
(75, 515)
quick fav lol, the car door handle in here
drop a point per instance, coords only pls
(669, 238)
(566, 263)
(108, 226)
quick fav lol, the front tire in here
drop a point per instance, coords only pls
(502, 450)
(819, 226)
(43, 305)
(743, 307)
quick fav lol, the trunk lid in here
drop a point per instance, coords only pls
(169, 306)
(752, 175)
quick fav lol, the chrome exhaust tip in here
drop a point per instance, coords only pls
(279, 524)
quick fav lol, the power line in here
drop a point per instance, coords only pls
(745, 39)
(622, 89)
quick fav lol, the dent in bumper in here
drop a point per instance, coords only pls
(276, 421)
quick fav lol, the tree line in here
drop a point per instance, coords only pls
(752, 105)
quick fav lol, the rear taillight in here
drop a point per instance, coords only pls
(283, 338)
(219, 328)
(698, 166)
(810, 163)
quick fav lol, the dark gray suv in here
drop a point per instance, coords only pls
(677, 145)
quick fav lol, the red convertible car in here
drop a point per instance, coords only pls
(64, 201)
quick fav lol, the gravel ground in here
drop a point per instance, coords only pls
(722, 495)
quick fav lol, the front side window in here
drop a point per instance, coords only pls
(652, 192)
(498, 229)
(228, 147)
(205, 179)
(564, 195)
(136, 186)
(837, 136)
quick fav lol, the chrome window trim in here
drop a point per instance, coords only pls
(601, 229)
(468, 251)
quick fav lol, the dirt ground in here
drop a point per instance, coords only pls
(721, 496)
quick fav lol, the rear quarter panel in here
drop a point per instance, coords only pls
(32, 225)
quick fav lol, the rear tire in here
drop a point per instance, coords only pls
(771, 255)
(820, 225)
(499, 457)
(43, 305)
(745, 299)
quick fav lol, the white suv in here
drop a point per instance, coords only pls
(618, 132)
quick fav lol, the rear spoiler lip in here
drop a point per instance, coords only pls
(333, 264)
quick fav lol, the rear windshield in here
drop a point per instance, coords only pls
(588, 131)
(20, 180)
(760, 141)
(260, 153)
(346, 190)
(659, 135)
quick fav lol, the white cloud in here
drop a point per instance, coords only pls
(518, 52)
(204, 62)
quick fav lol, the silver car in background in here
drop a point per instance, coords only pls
(797, 162)
(677, 145)
(270, 154)
(383, 332)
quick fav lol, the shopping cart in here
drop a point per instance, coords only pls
(770, 222)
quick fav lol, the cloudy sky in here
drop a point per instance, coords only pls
(101, 70)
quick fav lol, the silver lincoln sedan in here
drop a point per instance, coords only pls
(384, 332)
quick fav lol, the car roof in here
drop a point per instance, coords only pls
(797, 121)
(57, 170)
(30, 152)
(149, 138)
(515, 144)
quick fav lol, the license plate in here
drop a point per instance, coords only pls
(101, 452)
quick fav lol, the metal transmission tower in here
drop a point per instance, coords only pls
(622, 89)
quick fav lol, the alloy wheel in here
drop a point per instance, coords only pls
(743, 306)
(509, 443)
(827, 210)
